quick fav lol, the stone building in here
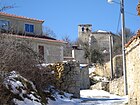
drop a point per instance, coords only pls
(21, 27)
(84, 32)
(101, 40)
(133, 67)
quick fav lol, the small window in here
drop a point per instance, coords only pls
(4, 24)
(83, 29)
(41, 51)
(87, 29)
(29, 28)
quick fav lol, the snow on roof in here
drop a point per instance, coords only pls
(101, 31)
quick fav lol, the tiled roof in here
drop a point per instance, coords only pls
(38, 38)
(133, 38)
(20, 17)
(49, 40)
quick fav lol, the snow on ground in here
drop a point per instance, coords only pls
(63, 99)
(92, 97)
(101, 97)
(19, 86)
(91, 69)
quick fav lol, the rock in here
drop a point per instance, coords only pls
(24, 91)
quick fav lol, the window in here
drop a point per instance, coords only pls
(4, 25)
(29, 28)
(41, 51)
(87, 29)
(83, 29)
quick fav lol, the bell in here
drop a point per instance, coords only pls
(138, 9)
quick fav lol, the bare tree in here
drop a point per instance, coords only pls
(49, 32)
(68, 47)
(93, 54)
(18, 55)
(128, 34)
(5, 7)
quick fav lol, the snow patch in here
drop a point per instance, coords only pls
(101, 31)
(23, 89)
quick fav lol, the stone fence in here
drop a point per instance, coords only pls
(65, 77)
(105, 70)
(117, 86)
(84, 77)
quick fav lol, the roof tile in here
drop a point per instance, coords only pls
(133, 38)
(20, 17)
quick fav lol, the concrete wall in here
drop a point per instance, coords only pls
(133, 74)
(17, 25)
(53, 51)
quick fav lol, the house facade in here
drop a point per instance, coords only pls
(20, 27)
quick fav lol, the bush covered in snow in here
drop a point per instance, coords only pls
(17, 90)
(20, 91)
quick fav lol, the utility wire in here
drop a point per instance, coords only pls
(117, 30)
(130, 13)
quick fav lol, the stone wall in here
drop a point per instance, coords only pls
(78, 55)
(72, 79)
(101, 86)
(84, 75)
(133, 67)
(106, 71)
(117, 66)
(117, 86)
(65, 76)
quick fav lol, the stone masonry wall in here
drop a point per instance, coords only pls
(78, 55)
(117, 86)
(106, 71)
(65, 76)
(133, 73)
(71, 78)
(84, 75)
